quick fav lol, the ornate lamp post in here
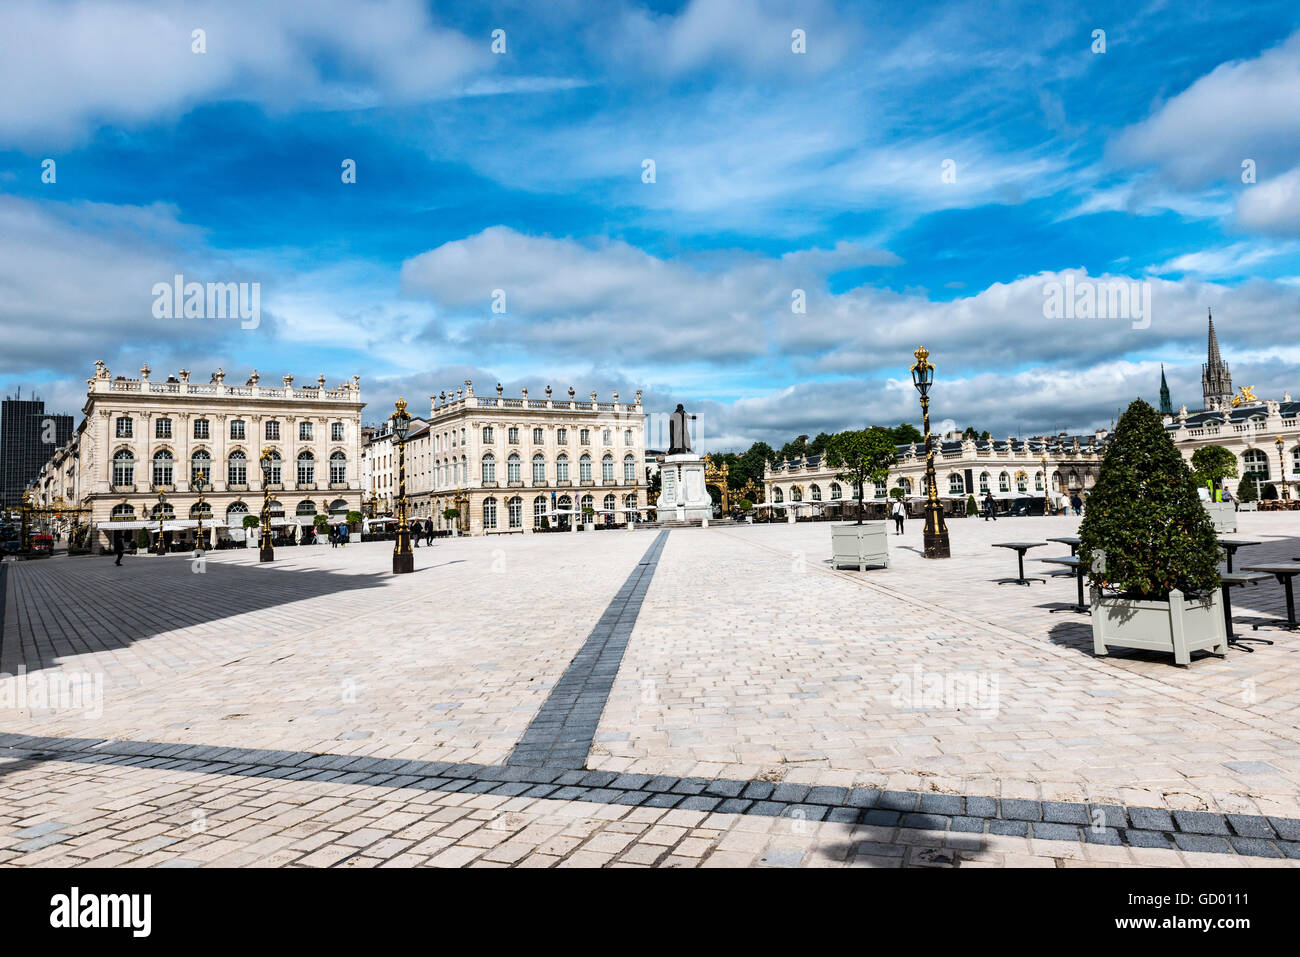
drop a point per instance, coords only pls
(267, 552)
(936, 530)
(1047, 486)
(162, 500)
(1281, 466)
(198, 487)
(403, 557)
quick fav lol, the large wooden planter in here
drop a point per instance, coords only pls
(860, 545)
(1177, 625)
(1223, 515)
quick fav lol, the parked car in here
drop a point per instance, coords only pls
(1025, 506)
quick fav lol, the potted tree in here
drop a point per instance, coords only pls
(1248, 495)
(1151, 547)
(746, 507)
(972, 507)
(1212, 464)
(322, 526)
(861, 457)
(354, 526)
(453, 515)
(588, 516)
(250, 522)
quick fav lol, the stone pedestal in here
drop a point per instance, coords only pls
(684, 497)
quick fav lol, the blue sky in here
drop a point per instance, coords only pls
(775, 171)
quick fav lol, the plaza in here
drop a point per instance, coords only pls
(659, 697)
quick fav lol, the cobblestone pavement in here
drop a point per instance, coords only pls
(750, 661)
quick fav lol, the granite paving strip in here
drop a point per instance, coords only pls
(564, 729)
(1240, 834)
(4, 584)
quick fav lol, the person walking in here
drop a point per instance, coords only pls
(990, 507)
(428, 531)
(899, 513)
(1077, 503)
(119, 547)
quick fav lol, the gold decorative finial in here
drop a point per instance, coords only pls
(922, 358)
(401, 407)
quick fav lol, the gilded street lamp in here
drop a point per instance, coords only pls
(403, 557)
(936, 530)
(1047, 486)
(198, 487)
(162, 500)
(1281, 465)
(267, 552)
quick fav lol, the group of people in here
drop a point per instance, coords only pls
(418, 530)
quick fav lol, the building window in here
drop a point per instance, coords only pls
(124, 427)
(304, 431)
(539, 510)
(162, 429)
(336, 432)
(237, 469)
(513, 468)
(882, 491)
(201, 429)
(124, 468)
(512, 435)
(816, 491)
(778, 495)
(836, 491)
(1038, 481)
(487, 435)
(609, 505)
(584, 436)
(162, 467)
(123, 511)
(515, 512)
(237, 429)
(606, 437)
(275, 470)
(627, 436)
(1255, 465)
(984, 482)
(200, 466)
(338, 468)
(489, 513)
(1022, 482)
(955, 484)
(538, 437)
(1004, 482)
(607, 468)
(629, 469)
(796, 494)
(539, 468)
(587, 503)
(584, 468)
(306, 468)
(273, 431)
(562, 436)
(489, 468)
(1295, 459)
(562, 468)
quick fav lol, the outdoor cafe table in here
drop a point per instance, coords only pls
(1071, 540)
(1230, 545)
(1021, 548)
(1283, 572)
(1071, 562)
(1238, 578)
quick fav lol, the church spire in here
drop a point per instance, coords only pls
(1166, 406)
(1216, 380)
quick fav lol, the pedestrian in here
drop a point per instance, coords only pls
(334, 536)
(1077, 503)
(899, 513)
(428, 531)
(990, 507)
(119, 546)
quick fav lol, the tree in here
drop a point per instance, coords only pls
(251, 521)
(749, 465)
(906, 433)
(1248, 490)
(1270, 492)
(321, 523)
(971, 507)
(818, 445)
(1213, 464)
(1146, 532)
(354, 519)
(795, 449)
(861, 457)
(142, 539)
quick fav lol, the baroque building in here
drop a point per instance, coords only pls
(515, 464)
(141, 437)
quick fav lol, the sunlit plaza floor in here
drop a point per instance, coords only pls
(736, 701)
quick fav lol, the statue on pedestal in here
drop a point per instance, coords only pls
(679, 433)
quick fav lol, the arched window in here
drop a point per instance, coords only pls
(836, 491)
(162, 467)
(984, 482)
(123, 511)
(629, 469)
(200, 466)
(816, 491)
(237, 468)
(235, 514)
(276, 471)
(1255, 465)
(778, 495)
(562, 467)
(584, 468)
(489, 513)
(1022, 482)
(796, 494)
(1004, 482)
(515, 511)
(539, 510)
(490, 471)
(1295, 460)
(513, 468)
(487, 435)
(338, 468)
(306, 509)
(882, 490)
(607, 468)
(1038, 481)
(163, 510)
(306, 468)
(956, 484)
(124, 468)
(564, 504)
(587, 503)
(201, 510)
(539, 468)
(610, 503)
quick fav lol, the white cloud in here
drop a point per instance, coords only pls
(1272, 205)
